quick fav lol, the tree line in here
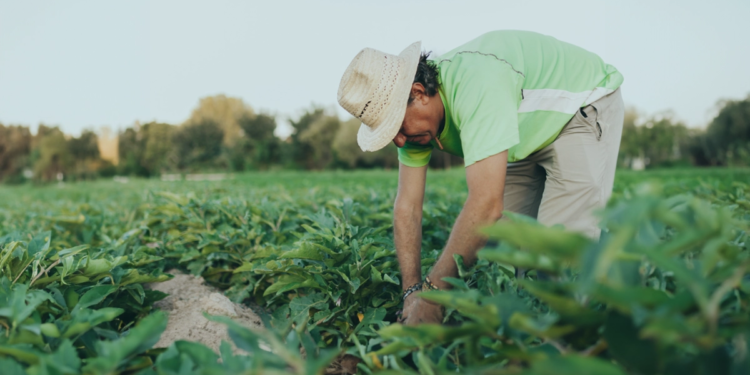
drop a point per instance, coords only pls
(662, 141)
(225, 134)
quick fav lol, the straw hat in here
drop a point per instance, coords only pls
(375, 89)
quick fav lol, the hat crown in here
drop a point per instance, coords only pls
(375, 89)
(366, 86)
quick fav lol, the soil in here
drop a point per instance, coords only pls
(188, 298)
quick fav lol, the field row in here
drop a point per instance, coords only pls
(665, 291)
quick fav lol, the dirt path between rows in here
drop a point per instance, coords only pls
(188, 298)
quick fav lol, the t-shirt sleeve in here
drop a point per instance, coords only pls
(415, 155)
(486, 96)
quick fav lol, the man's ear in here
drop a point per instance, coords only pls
(417, 91)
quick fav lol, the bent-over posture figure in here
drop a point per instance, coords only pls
(538, 122)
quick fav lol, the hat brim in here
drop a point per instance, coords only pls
(376, 137)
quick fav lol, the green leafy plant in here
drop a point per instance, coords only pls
(665, 291)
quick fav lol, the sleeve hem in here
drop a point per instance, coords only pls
(414, 163)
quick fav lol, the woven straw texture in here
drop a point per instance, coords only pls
(375, 89)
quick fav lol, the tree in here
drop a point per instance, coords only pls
(157, 147)
(317, 139)
(223, 111)
(147, 150)
(130, 151)
(85, 157)
(259, 148)
(348, 154)
(84, 147)
(15, 149)
(345, 147)
(664, 140)
(659, 140)
(54, 156)
(728, 134)
(258, 127)
(301, 151)
(632, 139)
(198, 144)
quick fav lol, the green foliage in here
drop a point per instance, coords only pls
(59, 305)
(258, 128)
(84, 147)
(728, 135)
(224, 133)
(198, 144)
(15, 147)
(348, 154)
(665, 291)
(300, 150)
(661, 141)
(130, 152)
(225, 112)
(54, 155)
(259, 148)
(317, 139)
(157, 154)
(656, 141)
(84, 151)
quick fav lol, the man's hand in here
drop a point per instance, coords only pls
(418, 311)
(486, 182)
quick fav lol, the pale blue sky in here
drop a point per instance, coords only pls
(85, 64)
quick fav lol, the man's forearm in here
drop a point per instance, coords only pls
(464, 239)
(407, 236)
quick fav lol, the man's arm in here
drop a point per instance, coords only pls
(407, 223)
(484, 206)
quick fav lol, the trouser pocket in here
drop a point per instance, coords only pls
(591, 116)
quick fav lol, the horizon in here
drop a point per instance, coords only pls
(87, 65)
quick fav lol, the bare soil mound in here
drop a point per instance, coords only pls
(188, 298)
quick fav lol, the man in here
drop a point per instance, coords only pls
(538, 122)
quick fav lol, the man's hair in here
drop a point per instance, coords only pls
(427, 75)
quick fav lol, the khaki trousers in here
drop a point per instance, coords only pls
(567, 181)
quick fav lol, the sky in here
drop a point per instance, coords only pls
(87, 64)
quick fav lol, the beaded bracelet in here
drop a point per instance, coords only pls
(428, 285)
(423, 286)
(411, 289)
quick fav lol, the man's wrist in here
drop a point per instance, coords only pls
(409, 280)
(411, 289)
(409, 285)
(427, 284)
(437, 281)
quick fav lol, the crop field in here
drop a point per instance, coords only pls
(666, 290)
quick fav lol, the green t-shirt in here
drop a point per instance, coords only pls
(511, 90)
